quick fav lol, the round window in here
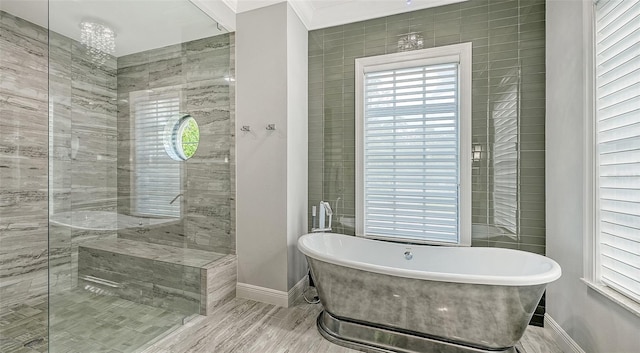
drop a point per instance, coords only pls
(182, 136)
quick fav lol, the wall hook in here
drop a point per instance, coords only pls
(271, 127)
(245, 128)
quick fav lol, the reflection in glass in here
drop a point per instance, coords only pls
(505, 155)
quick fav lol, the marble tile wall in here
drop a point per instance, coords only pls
(218, 286)
(142, 280)
(508, 117)
(23, 161)
(180, 279)
(200, 71)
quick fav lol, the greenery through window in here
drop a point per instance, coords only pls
(189, 137)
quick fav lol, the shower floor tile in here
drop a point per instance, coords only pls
(21, 325)
(82, 322)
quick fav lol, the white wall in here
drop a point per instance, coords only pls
(261, 86)
(271, 71)
(298, 142)
(591, 320)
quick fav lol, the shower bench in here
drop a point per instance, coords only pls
(185, 280)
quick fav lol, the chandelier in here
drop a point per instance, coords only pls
(410, 41)
(99, 40)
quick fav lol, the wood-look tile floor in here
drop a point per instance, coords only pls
(244, 326)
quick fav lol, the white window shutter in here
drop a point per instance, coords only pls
(411, 153)
(618, 143)
(157, 177)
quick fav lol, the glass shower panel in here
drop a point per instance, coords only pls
(132, 86)
(23, 176)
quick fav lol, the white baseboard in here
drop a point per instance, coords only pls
(271, 296)
(562, 338)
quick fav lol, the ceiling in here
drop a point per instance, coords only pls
(317, 14)
(139, 24)
(147, 24)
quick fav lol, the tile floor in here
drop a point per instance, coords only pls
(244, 326)
(84, 322)
(24, 324)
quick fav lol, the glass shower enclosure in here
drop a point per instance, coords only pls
(115, 171)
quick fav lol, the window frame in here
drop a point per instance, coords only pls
(461, 53)
(591, 206)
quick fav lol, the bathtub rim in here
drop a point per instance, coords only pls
(528, 280)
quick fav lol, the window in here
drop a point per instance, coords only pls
(617, 145)
(413, 142)
(182, 137)
(157, 178)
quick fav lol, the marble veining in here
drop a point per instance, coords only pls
(198, 72)
(156, 252)
(182, 279)
(23, 162)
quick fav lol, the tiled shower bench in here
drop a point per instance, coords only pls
(184, 280)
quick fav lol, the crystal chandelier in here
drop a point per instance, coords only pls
(99, 40)
(410, 41)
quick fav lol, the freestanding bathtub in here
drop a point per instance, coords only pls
(391, 297)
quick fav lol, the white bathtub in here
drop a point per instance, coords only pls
(476, 299)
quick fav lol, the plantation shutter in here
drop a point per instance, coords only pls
(411, 153)
(618, 143)
(157, 176)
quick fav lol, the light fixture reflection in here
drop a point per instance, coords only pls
(99, 40)
(410, 41)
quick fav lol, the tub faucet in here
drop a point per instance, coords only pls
(175, 198)
(324, 224)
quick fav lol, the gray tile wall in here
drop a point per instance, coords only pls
(508, 110)
(200, 71)
(23, 163)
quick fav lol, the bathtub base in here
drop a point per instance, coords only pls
(373, 339)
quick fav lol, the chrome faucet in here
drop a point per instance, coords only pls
(175, 198)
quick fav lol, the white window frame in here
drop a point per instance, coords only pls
(591, 205)
(461, 53)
